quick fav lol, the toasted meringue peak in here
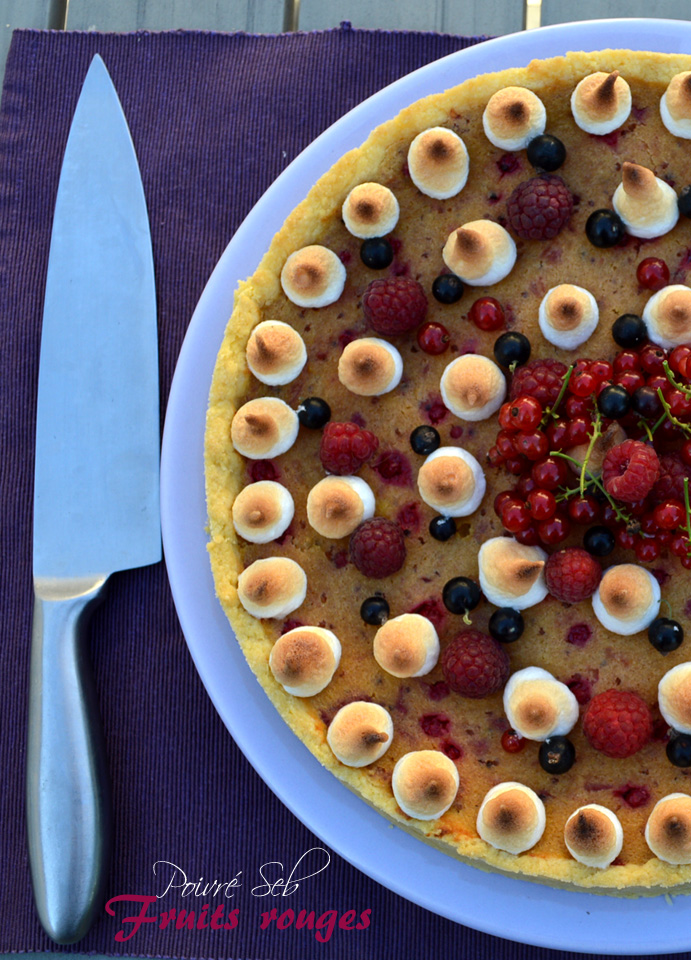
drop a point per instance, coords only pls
(263, 428)
(304, 660)
(668, 830)
(407, 646)
(613, 435)
(276, 353)
(473, 387)
(370, 210)
(511, 817)
(512, 574)
(647, 205)
(313, 277)
(452, 481)
(674, 697)
(438, 163)
(627, 599)
(601, 102)
(593, 835)
(370, 367)
(480, 253)
(337, 505)
(425, 784)
(538, 706)
(667, 316)
(272, 587)
(360, 733)
(675, 106)
(568, 315)
(512, 117)
(262, 511)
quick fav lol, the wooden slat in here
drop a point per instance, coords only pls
(254, 16)
(489, 17)
(560, 11)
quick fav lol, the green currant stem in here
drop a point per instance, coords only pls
(644, 426)
(669, 606)
(597, 430)
(466, 618)
(684, 427)
(552, 411)
(686, 390)
(619, 513)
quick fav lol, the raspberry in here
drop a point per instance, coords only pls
(474, 664)
(629, 471)
(394, 305)
(377, 548)
(541, 379)
(345, 447)
(617, 723)
(670, 483)
(539, 208)
(572, 574)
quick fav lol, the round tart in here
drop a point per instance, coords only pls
(564, 453)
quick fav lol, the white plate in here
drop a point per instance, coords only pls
(505, 907)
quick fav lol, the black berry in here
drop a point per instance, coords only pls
(375, 611)
(679, 750)
(557, 754)
(461, 595)
(376, 253)
(599, 541)
(614, 402)
(665, 635)
(425, 439)
(629, 331)
(546, 152)
(684, 202)
(604, 228)
(442, 528)
(646, 403)
(447, 288)
(506, 624)
(314, 413)
(511, 348)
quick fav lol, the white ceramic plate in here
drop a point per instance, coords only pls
(505, 907)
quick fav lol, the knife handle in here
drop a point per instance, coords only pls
(68, 791)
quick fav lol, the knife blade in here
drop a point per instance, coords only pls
(96, 508)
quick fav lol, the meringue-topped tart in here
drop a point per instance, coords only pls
(627, 599)
(511, 817)
(275, 352)
(406, 646)
(674, 697)
(668, 316)
(646, 204)
(370, 366)
(668, 830)
(473, 387)
(438, 163)
(370, 210)
(568, 315)
(512, 574)
(360, 733)
(675, 105)
(539, 706)
(594, 835)
(304, 660)
(313, 277)
(601, 102)
(513, 117)
(481, 253)
(452, 481)
(425, 784)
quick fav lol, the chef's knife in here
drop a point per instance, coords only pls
(96, 506)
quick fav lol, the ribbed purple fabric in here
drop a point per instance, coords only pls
(215, 118)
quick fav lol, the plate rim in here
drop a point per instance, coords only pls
(184, 537)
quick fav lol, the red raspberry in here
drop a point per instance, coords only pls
(617, 723)
(377, 548)
(541, 379)
(539, 208)
(474, 664)
(670, 484)
(394, 305)
(572, 574)
(345, 447)
(629, 471)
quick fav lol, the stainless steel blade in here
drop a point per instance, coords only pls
(95, 491)
(97, 434)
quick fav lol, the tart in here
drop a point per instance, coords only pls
(445, 457)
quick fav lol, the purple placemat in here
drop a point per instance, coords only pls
(215, 118)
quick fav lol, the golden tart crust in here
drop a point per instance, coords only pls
(470, 728)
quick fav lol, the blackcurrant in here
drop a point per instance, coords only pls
(557, 754)
(679, 749)
(376, 253)
(447, 288)
(314, 413)
(614, 402)
(604, 228)
(375, 611)
(425, 439)
(646, 403)
(665, 635)
(684, 202)
(511, 348)
(506, 624)
(629, 331)
(461, 594)
(546, 152)
(442, 528)
(599, 541)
